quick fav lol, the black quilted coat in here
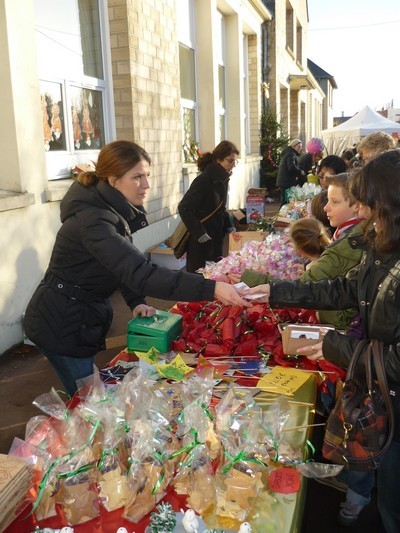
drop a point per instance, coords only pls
(93, 255)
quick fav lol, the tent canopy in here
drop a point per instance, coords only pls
(351, 131)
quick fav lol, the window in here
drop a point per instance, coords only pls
(299, 44)
(245, 79)
(187, 68)
(221, 51)
(73, 81)
(289, 27)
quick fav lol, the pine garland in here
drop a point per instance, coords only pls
(164, 521)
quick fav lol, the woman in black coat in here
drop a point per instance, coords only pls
(289, 173)
(69, 314)
(206, 197)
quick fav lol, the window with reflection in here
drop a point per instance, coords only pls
(73, 85)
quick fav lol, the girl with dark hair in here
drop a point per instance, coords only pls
(373, 286)
(206, 199)
(69, 314)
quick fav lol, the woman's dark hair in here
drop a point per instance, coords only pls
(347, 155)
(115, 159)
(334, 162)
(377, 185)
(220, 152)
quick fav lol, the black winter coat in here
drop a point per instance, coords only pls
(289, 173)
(373, 286)
(207, 191)
(93, 255)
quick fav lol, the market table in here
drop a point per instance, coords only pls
(288, 512)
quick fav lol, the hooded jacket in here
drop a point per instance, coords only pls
(335, 261)
(93, 255)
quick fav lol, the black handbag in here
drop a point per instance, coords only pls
(360, 427)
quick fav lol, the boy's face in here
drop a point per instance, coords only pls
(338, 208)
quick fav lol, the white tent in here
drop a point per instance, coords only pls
(351, 131)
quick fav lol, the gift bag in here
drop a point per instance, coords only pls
(295, 336)
(360, 427)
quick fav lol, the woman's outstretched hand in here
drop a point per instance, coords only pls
(257, 293)
(143, 310)
(228, 295)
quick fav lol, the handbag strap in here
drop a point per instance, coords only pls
(377, 354)
(362, 344)
(211, 214)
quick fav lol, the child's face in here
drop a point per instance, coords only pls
(338, 208)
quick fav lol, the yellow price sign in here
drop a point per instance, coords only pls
(283, 380)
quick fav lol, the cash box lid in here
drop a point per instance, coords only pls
(158, 330)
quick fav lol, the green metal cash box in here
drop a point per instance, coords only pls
(158, 330)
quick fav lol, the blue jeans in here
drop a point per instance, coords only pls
(360, 485)
(70, 369)
(388, 479)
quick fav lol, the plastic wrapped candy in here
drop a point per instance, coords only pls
(308, 190)
(196, 415)
(151, 469)
(39, 460)
(274, 256)
(238, 479)
(78, 494)
(195, 478)
(112, 480)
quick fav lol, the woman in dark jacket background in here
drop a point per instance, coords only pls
(289, 173)
(374, 287)
(207, 196)
(69, 315)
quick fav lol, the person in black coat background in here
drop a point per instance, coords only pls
(69, 314)
(207, 196)
(289, 173)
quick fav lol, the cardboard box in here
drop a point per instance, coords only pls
(238, 218)
(255, 207)
(237, 239)
(257, 192)
(162, 255)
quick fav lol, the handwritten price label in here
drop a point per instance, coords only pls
(284, 480)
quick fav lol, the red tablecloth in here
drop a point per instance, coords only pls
(106, 522)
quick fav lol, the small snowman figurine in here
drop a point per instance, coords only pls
(189, 521)
(245, 528)
(122, 530)
(67, 529)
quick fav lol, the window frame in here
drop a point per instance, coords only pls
(60, 162)
(221, 64)
(187, 38)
